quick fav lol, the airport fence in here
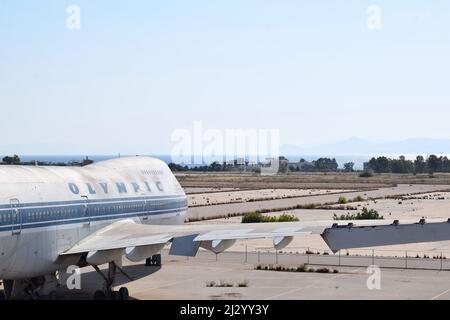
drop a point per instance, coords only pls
(312, 256)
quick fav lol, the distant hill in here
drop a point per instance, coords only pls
(361, 147)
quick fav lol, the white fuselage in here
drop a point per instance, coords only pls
(44, 211)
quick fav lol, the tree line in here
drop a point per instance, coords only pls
(421, 164)
(15, 160)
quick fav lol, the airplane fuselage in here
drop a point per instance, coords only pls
(44, 211)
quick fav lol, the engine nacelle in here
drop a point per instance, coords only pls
(143, 252)
(103, 256)
(217, 246)
(281, 242)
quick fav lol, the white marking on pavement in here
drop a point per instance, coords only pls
(441, 294)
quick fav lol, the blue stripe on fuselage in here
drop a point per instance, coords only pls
(54, 203)
(33, 215)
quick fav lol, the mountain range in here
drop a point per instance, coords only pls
(360, 147)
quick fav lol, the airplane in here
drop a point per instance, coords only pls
(55, 217)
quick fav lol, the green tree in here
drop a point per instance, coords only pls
(401, 165)
(177, 167)
(420, 165)
(380, 165)
(433, 163)
(325, 164)
(445, 164)
(11, 160)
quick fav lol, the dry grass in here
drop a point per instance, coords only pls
(299, 268)
(225, 284)
(348, 180)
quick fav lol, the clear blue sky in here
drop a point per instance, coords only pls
(138, 70)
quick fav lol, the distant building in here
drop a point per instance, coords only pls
(302, 165)
(239, 162)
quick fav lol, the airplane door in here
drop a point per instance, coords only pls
(87, 212)
(16, 217)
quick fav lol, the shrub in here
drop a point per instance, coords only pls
(243, 284)
(368, 214)
(255, 217)
(358, 198)
(301, 268)
(223, 284)
(268, 219)
(287, 217)
(342, 200)
(366, 174)
(252, 217)
(365, 214)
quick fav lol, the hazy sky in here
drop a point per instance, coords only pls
(138, 70)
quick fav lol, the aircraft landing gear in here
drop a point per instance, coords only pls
(108, 292)
(122, 294)
(154, 260)
(38, 288)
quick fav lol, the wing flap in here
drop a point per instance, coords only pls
(101, 244)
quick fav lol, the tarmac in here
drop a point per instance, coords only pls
(181, 278)
(406, 276)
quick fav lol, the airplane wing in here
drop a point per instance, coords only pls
(144, 240)
(139, 241)
(359, 236)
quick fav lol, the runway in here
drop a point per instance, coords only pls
(221, 210)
